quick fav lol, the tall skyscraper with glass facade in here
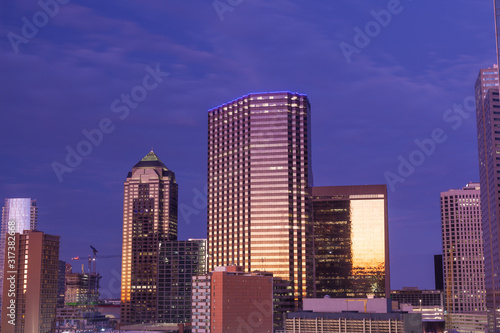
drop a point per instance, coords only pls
(351, 241)
(488, 137)
(463, 259)
(259, 171)
(149, 218)
(24, 213)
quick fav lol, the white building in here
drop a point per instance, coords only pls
(463, 259)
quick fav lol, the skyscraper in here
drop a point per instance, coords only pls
(258, 177)
(30, 292)
(149, 217)
(351, 241)
(24, 213)
(463, 259)
(488, 136)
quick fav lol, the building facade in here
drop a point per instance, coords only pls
(488, 136)
(429, 303)
(259, 171)
(179, 262)
(351, 241)
(30, 288)
(417, 297)
(149, 218)
(463, 259)
(23, 212)
(332, 315)
(231, 300)
(200, 306)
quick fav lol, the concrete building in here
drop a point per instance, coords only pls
(417, 297)
(259, 171)
(353, 315)
(30, 288)
(23, 212)
(351, 241)
(149, 218)
(463, 259)
(428, 303)
(200, 318)
(488, 121)
(231, 300)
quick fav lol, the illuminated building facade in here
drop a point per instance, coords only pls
(149, 218)
(488, 136)
(30, 292)
(24, 212)
(463, 259)
(259, 171)
(351, 241)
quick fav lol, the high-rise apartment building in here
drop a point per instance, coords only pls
(351, 241)
(259, 171)
(488, 136)
(31, 282)
(149, 218)
(463, 260)
(23, 213)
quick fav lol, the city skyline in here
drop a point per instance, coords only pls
(399, 88)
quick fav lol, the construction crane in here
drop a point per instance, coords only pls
(92, 260)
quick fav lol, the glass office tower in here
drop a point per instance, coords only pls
(258, 177)
(149, 217)
(351, 241)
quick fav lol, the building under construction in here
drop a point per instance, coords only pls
(82, 289)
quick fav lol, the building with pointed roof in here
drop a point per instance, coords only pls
(149, 218)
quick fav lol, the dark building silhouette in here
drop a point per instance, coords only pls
(179, 262)
(438, 272)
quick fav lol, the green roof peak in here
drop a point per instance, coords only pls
(151, 160)
(151, 156)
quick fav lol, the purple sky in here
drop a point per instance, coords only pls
(69, 75)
